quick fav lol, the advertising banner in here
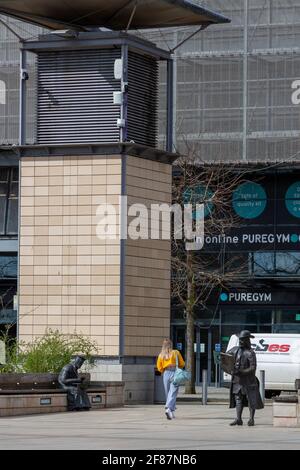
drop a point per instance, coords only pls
(267, 216)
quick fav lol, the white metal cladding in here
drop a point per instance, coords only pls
(142, 99)
(75, 96)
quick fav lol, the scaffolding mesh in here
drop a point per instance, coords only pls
(234, 83)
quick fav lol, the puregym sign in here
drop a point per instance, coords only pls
(246, 297)
(247, 238)
(254, 238)
(257, 297)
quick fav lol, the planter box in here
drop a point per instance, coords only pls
(286, 411)
(16, 405)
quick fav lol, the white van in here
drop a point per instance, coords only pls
(278, 355)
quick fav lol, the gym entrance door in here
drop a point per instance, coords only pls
(207, 340)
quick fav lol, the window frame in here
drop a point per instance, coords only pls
(8, 198)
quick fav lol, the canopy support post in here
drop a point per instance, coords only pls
(202, 27)
(22, 100)
(170, 104)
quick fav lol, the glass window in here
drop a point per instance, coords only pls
(287, 316)
(263, 263)
(7, 313)
(242, 318)
(288, 264)
(286, 328)
(276, 263)
(4, 180)
(8, 266)
(245, 317)
(12, 217)
(228, 330)
(8, 201)
(236, 264)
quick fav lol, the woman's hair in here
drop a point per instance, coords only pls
(167, 349)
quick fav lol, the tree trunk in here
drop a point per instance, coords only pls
(190, 334)
(190, 361)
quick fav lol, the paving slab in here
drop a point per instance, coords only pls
(214, 394)
(196, 427)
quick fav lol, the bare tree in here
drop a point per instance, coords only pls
(195, 274)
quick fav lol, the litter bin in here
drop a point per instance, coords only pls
(159, 391)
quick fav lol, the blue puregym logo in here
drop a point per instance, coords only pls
(294, 238)
(224, 297)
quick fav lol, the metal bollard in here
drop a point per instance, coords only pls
(262, 384)
(204, 387)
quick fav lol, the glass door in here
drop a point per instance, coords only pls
(208, 341)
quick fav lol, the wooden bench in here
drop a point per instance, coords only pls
(22, 394)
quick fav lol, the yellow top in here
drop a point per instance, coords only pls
(162, 364)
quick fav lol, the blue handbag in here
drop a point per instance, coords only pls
(181, 376)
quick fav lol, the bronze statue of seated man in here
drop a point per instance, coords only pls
(69, 380)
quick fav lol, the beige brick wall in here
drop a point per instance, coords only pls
(69, 278)
(147, 292)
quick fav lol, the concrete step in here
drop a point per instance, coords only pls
(198, 398)
(214, 395)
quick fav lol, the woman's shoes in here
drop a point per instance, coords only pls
(169, 413)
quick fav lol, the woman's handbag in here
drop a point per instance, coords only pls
(180, 376)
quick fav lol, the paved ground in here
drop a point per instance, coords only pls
(196, 427)
(214, 394)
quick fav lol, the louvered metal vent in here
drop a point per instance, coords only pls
(142, 99)
(75, 96)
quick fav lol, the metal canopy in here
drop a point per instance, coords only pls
(112, 14)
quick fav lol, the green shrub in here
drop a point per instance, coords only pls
(48, 353)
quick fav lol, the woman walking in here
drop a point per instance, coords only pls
(166, 364)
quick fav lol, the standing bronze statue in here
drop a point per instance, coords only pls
(69, 380)
(244, 390)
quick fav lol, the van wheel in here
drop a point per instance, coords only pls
(272, 393)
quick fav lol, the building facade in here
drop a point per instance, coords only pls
(80, 176)
(236, 100)
(248, 111)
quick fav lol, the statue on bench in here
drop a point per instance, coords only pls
(69, 380)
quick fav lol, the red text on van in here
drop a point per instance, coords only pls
(264, 347)
(279, 348)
